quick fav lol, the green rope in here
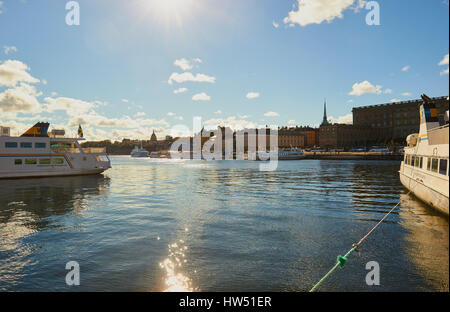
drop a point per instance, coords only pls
(341, 261)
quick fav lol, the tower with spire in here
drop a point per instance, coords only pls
(325, 119)
(153, 138)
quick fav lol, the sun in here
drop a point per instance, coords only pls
(168, 11)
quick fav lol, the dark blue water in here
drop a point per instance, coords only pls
(155, 225)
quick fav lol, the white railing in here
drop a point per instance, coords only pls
(74, 150)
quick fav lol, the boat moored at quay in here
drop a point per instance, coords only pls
(424, 170)
(36, 153)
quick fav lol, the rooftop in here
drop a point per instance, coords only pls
(399, 103)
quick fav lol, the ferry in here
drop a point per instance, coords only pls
(290, 154)
(37, 153)
(282, 154)
(139, 152)
(424, 169)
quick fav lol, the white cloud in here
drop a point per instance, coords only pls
(179, 118)
(406, 68)
(387, 91)
(318, 11)
(22, 98)
(395, 100)
(346, 119)
(139, 114)
(53, 94)
(1, 4)
(71, 106)
(292, 122)
(13, 72)
(185, 64)
(201, 97)
(180, 90)
(170, 114)
(8, 49)
(271, 114)
(444, 62)
(406, 94)
(364, 87)
(275, 24)
(244, 116)
(218, 112)
(252, 95)
(187, 76)
(350, 101)
(125, 100)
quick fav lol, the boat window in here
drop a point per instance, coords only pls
(434, 165)
(421, 162)
(416, 162)
(60, 145)
(26, 145)
(40, 145)
(443, 166)
(30, 161)
(58, 161)
(17, 161)
(429, 163)
(44, 161)
(11, 144)
(413, 160)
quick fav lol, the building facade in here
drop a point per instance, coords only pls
(393, 122)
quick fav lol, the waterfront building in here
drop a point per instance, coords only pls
(290, 138)
(342, 136)
(393, 122)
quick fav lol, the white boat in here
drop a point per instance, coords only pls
(282, 154)
(36, 154)
(290, 154)
(424, 169)
(139, 152)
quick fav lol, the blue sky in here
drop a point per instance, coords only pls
(111, 73)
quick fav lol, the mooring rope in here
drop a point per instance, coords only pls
(341, 260)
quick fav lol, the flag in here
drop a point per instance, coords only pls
(80, 131)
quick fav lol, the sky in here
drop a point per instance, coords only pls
(131, 67)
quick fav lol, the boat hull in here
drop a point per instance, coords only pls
(426, 194)
(45, 174)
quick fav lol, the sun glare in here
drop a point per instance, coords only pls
(170, 11)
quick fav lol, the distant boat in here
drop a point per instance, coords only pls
(290, 154)
(283, 154)
(424, 169)
(139, 152)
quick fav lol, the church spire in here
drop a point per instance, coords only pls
(325, 119)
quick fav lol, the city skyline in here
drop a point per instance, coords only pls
(130, 68)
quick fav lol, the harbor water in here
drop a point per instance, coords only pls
(188, 225)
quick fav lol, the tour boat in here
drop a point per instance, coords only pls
(424, 169)
(290, 154)
(139, 152)
(38, 154)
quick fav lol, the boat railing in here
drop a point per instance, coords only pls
(440, 127)
(74, 150)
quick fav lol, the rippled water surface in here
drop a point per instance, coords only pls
(156, 225)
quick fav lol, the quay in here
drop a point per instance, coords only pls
(353, 156)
